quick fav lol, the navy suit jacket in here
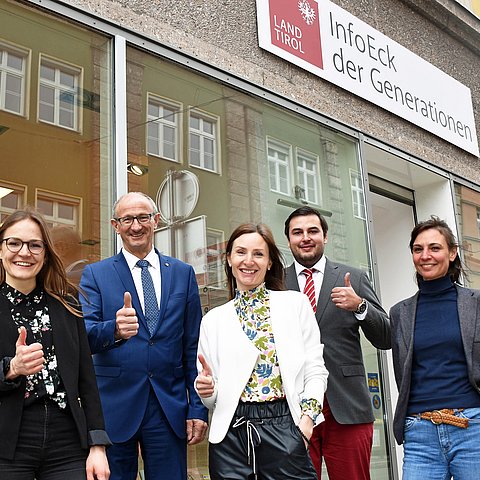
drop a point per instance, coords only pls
(403, 327)
(165, 361)
(347, 391)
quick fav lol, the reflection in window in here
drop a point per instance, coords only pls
(162, 132)
(58, 209)
(358, 198)
(58, 94)
(278, 166)
(11, 198)
(203, 139)
(12, 79)
(307, 171)
(468, 207)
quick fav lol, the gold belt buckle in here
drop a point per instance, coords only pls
(437, 417)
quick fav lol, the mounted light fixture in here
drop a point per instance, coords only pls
(137, 169)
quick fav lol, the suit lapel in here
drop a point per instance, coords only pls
(291, 280)
(467, 308)
(125, 276)
(61, 333)
(407, 321)
(166, 281)
(330, 277)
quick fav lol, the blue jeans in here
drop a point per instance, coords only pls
(440, 452)
(48, 446)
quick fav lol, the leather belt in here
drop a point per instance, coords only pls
(447, 416)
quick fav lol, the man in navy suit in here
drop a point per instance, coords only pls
(345, 302)
(145, 372)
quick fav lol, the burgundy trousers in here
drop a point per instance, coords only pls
(345, 449)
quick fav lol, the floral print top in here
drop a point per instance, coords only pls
(265, 383)
(31, 311)
(253, 310)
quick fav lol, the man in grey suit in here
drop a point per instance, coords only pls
(345, 302)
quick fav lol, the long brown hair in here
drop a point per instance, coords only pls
(274, 278)
(52, 276)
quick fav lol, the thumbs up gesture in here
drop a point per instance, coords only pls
(28, 359)
(126, 319)
(204, 381)
(345, 297)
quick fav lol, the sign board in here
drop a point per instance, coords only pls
(189, 239)
(326, 40)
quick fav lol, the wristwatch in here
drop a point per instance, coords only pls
(361, 308)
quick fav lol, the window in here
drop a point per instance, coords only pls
(358, 198)
(279, 158)
(307, 171)
(11, 198)
(215, 249)
(59, 209)
(13, 63)
(478, 221)
(203, 141)
(162, 131)
(58, 94)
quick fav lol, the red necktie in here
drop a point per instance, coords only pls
(309, 289)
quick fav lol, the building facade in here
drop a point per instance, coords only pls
(178, 100)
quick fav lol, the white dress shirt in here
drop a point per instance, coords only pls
(154, 270)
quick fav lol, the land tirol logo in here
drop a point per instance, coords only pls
(295, 28)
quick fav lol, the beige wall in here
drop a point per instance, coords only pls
(223, 33)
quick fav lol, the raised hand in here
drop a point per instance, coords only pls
(126, 318)
(204, 381)
(28, 359)
(345, 297)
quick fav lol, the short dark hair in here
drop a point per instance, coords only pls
(455, 269)
(303, 212)
(274, 278)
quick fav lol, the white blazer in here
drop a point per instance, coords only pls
(232, 357)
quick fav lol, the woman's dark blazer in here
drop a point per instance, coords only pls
(76, 370)
(402, 319)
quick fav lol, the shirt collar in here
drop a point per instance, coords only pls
(319, 266)
(132, 260)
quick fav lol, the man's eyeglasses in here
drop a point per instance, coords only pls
(128, 220)
(15, 245)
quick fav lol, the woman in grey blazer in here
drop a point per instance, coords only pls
(436, 355)
(51, 421)
(261, 368)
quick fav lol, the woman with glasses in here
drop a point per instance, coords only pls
(51, 421)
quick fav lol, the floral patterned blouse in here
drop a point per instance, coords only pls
(31, 312)
(265, 383)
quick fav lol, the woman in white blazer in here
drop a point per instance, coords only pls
(261, 368)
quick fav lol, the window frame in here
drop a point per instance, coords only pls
(357, 193)
(315, 159)
(177, 107)
(63, 67)
(56, 198)
(25, 53)
(215, 137)
(271, 141)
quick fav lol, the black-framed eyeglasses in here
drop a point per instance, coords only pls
(15, 245)
(128, 220)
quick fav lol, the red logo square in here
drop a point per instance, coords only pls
(295, 28)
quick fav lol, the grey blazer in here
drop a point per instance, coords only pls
(347, 391)
(403, 325)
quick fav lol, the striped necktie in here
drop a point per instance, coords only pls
(309, 289)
